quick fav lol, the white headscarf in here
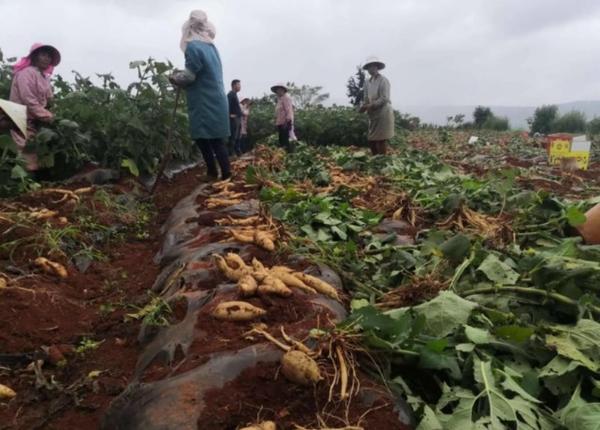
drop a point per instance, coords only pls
(197, 27)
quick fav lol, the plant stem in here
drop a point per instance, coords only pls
(528, 291)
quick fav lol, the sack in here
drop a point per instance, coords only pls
(293, 137)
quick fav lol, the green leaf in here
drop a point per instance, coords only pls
(131, 165)
(358, 304)
(429, 420)
(580, 343)
(340, 233)
(18, 172)
(456, 248)
(444, 313)
(514, 333)
(575, 216)
(499, 406)
(578, 414)
(560, 376)
(465, 347)
(498, 271)
(478, 336)
(510, 384)
(68, 123)
(433, 358)
(135, 64)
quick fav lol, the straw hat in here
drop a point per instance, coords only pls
(374, 60)
(53, 52)
(17, 113)
(280, 85)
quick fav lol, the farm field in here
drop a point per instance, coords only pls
(441, 286)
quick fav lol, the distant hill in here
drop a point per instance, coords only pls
(517, 115)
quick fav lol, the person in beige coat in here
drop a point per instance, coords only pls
(378, 107)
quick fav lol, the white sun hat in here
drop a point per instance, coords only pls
(17, 113)
(374, 60)
(279, 85)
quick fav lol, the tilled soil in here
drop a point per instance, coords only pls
(45, 318)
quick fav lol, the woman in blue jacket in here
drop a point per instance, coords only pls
(207, 104)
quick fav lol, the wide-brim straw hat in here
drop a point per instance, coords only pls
(17, 113)
(280, 85)
(245, 99)
(54, 53)
(374, 60)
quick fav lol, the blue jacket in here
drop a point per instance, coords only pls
(207, 104)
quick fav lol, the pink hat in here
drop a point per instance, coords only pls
(26, 61)
(53, 52)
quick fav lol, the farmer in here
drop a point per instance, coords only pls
(284, 115)
(235, 118)
(207, 103)
(245, 106)
(378, 106)
(31, 87)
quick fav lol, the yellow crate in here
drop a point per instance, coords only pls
(582, 158)
(560, 146)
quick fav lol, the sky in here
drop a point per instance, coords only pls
(437, 52)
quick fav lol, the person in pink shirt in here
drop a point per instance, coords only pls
(31, 87)
(284, 115)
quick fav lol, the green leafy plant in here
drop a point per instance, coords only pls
(87, 345)
(154, 313)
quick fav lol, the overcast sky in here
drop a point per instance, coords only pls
(438, 52)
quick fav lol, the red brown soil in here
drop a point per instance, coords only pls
(240, 403)
(44, 311)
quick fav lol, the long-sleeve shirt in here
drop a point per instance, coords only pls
(207, 103)
(284, 111)
(245, 114)
(381, 115)
(31, 88)
(234, 104)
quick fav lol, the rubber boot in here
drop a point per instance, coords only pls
(373, 146)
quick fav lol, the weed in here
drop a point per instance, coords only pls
(86, 345)
(153, 314)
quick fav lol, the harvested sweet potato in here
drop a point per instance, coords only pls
(51, 267)
(222, 185)
(43, 214)
(83, 190)
(238, 221)
(260, 272)
(318, 284)
(241, 237)
(229, 195)
(6, 392)
(266, 425)
(284, 269)
(231, 274)
(235, 262)
(291, 281)
(299, 368)
(214, 202)
(271, 285)
(237, 311)
(263, 240)
(247, 286)
(3, 283)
